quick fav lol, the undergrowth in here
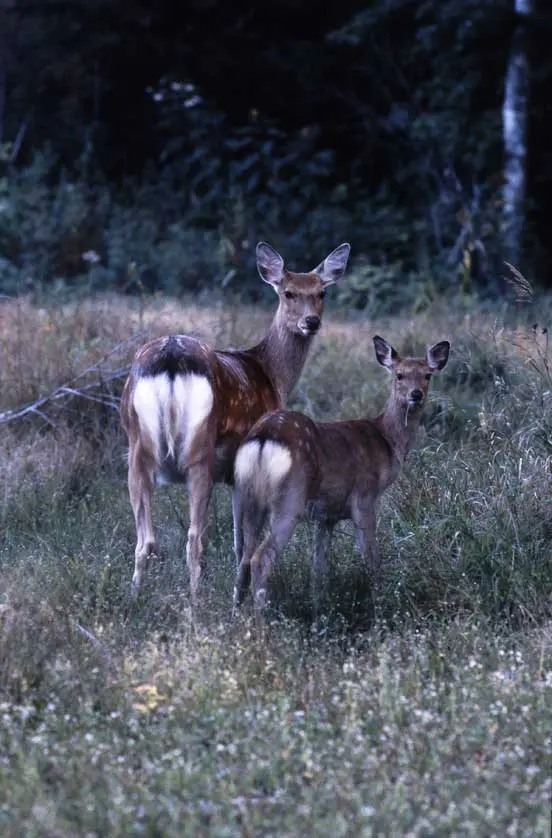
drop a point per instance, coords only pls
(401, 711)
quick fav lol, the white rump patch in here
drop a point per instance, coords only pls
(247, 461)
(276, 461)
(193, 396)
(151, 396)
(169, 408)
(263, 474)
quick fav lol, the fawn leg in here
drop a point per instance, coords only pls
(238, 525)
(364, 518)
(249, 520)
(283, 520)
(322, 540)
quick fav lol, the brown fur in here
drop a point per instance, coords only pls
(337, 471)
(245, 384)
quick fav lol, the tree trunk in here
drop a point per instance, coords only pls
(514, 121)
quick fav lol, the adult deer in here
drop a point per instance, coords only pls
(290, 467)
(185, 407)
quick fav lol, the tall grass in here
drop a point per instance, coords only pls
(422, 709)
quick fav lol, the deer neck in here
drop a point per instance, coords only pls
(283, 354)
(399, 425)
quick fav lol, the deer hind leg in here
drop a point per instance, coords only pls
(284, 517)
(140, 487)
(200, 487)
(248, 522)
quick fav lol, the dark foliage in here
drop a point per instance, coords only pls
(380, 122)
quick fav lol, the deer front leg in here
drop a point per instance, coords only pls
(140, 488)
(364, 518)
(200, 486)
(322, 540)
(237, 521)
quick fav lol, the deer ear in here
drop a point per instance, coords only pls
(385, 353)
(437, 355)
(270, 264)
(333, 266)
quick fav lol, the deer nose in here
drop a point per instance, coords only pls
(312, 323)
(416, 396)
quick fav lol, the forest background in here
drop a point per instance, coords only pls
(149, 146)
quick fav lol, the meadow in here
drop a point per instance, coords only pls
(421, 710)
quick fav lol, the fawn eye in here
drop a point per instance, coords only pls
(428, 376)
(400, 376)
(289, 295)
(322, 295)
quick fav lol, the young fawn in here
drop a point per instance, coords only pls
(186, 407)
(290, 467)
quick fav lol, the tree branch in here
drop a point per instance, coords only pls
(97, 391)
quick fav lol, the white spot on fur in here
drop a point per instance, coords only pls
(168, 409)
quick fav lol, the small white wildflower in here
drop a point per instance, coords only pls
(26, 711)
(91, 257)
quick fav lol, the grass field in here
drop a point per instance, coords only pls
(429, 715)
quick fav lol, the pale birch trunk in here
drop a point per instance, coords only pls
(514, 121)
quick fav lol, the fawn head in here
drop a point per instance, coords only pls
(301, 295)
(411, 376)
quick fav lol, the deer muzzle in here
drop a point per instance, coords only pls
(309, 325)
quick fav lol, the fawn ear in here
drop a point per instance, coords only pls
(270, 264)
(333, 266)
(385, 353)
(437, 355)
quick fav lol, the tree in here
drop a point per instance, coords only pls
(514, 121)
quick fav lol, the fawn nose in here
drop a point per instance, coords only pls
(416, 396)
(312, 323)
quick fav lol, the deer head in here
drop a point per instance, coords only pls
(411, 376)
(301, 295)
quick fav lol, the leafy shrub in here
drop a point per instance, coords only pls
(194, 224)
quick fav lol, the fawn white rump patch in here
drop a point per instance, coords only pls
(261, 466)
(169, 408)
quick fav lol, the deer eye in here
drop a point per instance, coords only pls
(400, 376)
(322, 295)
(428, 376)
(289, 295)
